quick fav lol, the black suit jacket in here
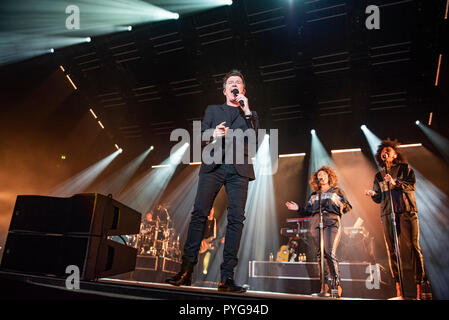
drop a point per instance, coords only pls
(216, 114)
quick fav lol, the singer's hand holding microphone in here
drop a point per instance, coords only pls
(242, 100)
(390, 179)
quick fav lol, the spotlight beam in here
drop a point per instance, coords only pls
(82, 180)
(440, 142)
(188, 6)
(117, 181)
(30, 28)
(144, 195)
(318, 155)
(260, 212)
(373, 142)
(182, 199)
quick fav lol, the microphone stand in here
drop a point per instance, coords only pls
(395, 233)
(321, 243)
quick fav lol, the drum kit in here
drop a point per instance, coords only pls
(157, 238)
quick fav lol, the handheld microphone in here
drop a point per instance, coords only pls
(319, 184)
(236, 92)
(384, 158)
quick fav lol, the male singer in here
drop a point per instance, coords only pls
(235, 113)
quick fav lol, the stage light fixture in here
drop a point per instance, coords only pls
(160, 166)
(93, 113)
(438, 70)
(88, 39)
(346, 150)
(290, 155)
(71, 82)
(130, 28)
(51, 50)
(410, 145)
(417, 122)
(363, 127)
(152, 148)
(312, 131)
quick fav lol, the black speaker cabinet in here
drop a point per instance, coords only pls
(48, 234)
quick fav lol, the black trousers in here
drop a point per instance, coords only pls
(209, 185)
(408, 232)
(332, 236)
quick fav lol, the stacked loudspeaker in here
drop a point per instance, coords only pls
(48, 234)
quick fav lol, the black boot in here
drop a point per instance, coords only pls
(228, 285)
(336, 288)
(426, 290)
(183, 277)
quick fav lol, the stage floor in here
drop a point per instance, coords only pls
(26, 286)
